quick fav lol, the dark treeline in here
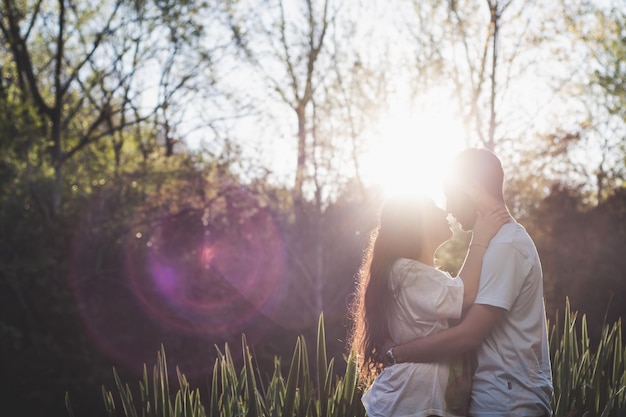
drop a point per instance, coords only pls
(582, 252)
(191, 259)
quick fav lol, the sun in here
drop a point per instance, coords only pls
(410, 151)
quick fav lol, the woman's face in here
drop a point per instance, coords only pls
(413, 226)
(462, 208)
(436, 225)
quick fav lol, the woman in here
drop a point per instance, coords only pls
(401, 296)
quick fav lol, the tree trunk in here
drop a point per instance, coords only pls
(301, 162)
(56, 115)
(490, 143)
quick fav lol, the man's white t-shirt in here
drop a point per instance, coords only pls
(513, 377)
(425, 299)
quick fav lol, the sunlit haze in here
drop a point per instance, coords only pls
(410, 151)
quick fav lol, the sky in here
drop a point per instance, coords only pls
(413, 138)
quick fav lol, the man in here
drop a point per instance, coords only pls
(506, 325)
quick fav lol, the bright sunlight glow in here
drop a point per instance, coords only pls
(410, 151)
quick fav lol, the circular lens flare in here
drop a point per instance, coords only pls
(180, 279)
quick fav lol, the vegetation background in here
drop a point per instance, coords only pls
(182, 172)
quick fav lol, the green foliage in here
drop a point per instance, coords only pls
(587, 382)
(241, 392)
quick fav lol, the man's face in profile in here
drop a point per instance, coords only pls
(461, 207)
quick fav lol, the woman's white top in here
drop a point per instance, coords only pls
(425, 299)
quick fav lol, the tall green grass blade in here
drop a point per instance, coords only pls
(68, 405)
(144, 391)
(328, 404)
(350, 379)
(322, 367)
(617, 352)
(306, 397)
(292, 382)
(276, 390)
(253, 408)
(126, 396)
(183, 397)
(178, 405)
(109, 402)
(214, 400)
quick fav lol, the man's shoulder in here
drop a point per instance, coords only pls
(513, 237)
(514, 234)
(509, 231)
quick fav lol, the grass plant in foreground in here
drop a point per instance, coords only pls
(242, 392)
(587, 382)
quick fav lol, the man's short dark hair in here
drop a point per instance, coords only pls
(479, 165)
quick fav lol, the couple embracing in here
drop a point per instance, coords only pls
(433, 345)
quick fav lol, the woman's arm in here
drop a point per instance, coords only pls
(486, 226)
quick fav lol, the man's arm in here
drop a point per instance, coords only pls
(467, 335)
(485, 228)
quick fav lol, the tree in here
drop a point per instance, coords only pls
(605, 94)
(90, 98)
(81, 70)
(490, 52)
(586, 147)
(303, 55)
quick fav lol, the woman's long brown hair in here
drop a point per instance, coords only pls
(397, 235)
